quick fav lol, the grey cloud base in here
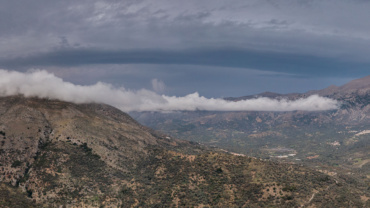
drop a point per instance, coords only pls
(301, 65)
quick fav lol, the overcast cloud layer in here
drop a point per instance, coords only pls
(305, 39)
(324, 28)
(45, 85)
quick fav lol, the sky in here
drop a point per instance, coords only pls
(216, 48)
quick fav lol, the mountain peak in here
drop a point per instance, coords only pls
(269, 94)
(352, 86)
(357, 84)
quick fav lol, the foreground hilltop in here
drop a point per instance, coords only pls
(56, 153)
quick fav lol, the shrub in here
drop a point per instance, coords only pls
(16, 164)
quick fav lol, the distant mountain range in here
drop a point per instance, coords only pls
(59, 154)
(355, 86)
(336, 141)
(353, 96)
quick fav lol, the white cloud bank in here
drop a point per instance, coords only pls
(158, 85)
(42, 84)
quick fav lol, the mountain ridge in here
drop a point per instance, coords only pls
(361, 84)
(334, 141)
(55, 153)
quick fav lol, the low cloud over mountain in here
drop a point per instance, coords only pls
(40, 83)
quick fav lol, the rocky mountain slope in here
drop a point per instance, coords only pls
(354, 112)
(54, 153)
(335, 141)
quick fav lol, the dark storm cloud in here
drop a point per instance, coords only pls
(221, 57)
(315, 38)
(321, 28)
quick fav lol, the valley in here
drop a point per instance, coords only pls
(55, 153)
(335, 142)
(185, 104)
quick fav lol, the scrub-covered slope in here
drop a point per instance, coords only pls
(56, 153)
